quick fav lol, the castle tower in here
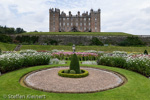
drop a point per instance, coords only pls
(54, 20)
(85, 22)
(95, 21)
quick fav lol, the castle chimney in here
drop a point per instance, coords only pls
(99, 10)
(78, 13)
(91, 10)
(69, 13)
(87, 13)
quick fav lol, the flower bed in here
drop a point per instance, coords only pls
(83, 56)
(137, 63)
(12, 61)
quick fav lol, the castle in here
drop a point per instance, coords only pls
(87, 22)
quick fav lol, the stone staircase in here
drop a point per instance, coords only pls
(17, 47)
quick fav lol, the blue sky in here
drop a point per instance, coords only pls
(130, 16)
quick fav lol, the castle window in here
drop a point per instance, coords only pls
(89, 18)
(76, 24)
(63, 18)
(95, 28)
(80, 28)
(84, 19)
(60, 24)
(80, 19)
(68, 24)
(84, 24)
(89, 24)
(89, 28)
(67, 18)
(71, 24)
(84, 28)
(67, 28)
(80, 24)
(95, 19)
(64, 24)
(95, 23)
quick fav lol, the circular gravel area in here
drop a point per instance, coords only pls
(98, 80)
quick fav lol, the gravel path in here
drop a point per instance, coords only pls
(49, 80)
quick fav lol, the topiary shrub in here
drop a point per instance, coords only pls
(72, 72)
(145, 52)
(66, 71)
(74, 65)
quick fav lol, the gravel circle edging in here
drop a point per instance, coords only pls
(103, 80)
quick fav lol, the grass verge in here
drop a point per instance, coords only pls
(137, 87)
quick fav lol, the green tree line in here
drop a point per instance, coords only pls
(11, 30)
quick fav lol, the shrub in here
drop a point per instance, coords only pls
(5, 39)
(74, 65)
(137, 63)
(66, 71)
(27, 39)
(83, 56)
(72, 72)
(36, 59)
(132, 41)
(112, 61)
(145, 52)
(54, 61)
(96, 41)
(27, 51)
(12, 61)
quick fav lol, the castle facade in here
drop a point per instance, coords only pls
(86, 22)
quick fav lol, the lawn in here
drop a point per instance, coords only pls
(7, 47)
(137, 87)
(78, 33)
(11, 47)
(85, 48)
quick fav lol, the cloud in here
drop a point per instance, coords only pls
(130, 16)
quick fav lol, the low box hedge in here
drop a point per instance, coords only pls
(84, 74)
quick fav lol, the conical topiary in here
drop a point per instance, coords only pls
(145, 52)
(74, 65)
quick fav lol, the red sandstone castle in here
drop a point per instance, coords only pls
(87, 22)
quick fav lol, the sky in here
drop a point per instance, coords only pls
(129, 16)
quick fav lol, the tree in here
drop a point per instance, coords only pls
(145, 52)
(96, 41)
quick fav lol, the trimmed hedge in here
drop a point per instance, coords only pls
(83, 74)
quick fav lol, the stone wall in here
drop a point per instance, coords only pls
(85, 40)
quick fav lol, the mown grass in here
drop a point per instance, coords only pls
(10, 47)
(78, 33)
(7, 47)
(85, 48)
(137, 87)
